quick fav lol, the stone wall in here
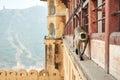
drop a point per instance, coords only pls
(115, 54)
(115, 61)
(98, 52)
(70, 66)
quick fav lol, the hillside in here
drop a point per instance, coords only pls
(22, 34)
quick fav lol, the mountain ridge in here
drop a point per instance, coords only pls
(22, 37)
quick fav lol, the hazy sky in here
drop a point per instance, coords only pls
(20, 4)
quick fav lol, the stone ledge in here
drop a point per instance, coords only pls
(93, 71)
(90, 70)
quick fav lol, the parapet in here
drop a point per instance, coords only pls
(30, 75)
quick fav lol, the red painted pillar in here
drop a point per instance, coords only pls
(103, 15)
(92, 16)
(111, 25)
(92, 28)
(107, 33)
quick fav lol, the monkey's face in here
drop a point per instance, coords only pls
(83, 36)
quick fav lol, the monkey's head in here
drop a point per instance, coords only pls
(83, 36)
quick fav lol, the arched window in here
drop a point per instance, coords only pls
(52, 30)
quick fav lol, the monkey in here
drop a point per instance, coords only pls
(80, 41)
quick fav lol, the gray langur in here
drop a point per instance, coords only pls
(80, 41)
